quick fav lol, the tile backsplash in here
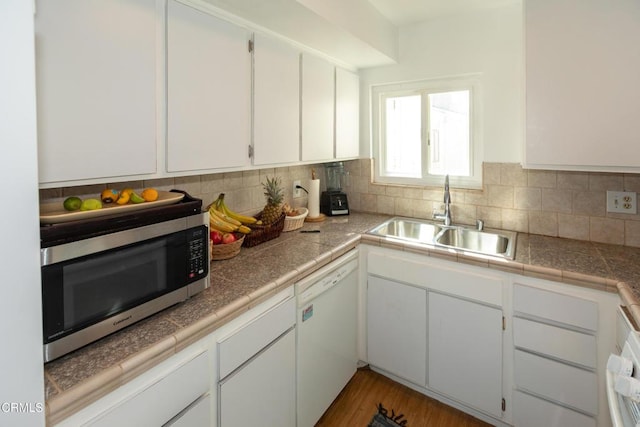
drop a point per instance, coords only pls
(551, 203)
(243, 190)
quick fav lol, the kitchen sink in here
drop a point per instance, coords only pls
(487, 242)
(409, 229)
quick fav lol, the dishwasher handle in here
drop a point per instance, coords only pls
(327, 282)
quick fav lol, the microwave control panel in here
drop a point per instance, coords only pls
(198, 255)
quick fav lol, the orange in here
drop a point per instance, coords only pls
(109, 195)
(124, 198)
(149, 194)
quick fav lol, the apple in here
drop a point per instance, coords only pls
(216, 237)
(228, 238)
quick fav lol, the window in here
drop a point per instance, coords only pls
(425, 130)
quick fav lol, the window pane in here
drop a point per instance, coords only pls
(403, 136)
(449, 133)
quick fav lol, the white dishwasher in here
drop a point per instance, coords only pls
(326, 332)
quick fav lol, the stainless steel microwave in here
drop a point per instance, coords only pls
(133, 268)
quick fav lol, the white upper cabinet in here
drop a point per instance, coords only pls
(582, 91)
(317, 109)
(208, 91)
(96, 89)
(276, 102)
(347, 114)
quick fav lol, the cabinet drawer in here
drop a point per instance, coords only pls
(574, 347)
(242, 344)
(196, 414)
(167, 396)
(556, 307)
(561, 383)
(529, 411)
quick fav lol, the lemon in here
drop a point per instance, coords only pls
(90, 205)
(72, 203)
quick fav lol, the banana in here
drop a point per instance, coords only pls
(244, 219)
(220, 224)
(244, 229)
(222, 227)
(225, 217)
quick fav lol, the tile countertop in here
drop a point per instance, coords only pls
(81, 377)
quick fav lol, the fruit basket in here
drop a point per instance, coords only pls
(294, 222)
(262, 233)
(226, 250)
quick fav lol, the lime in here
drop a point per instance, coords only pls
(72, 203)
(90, 205)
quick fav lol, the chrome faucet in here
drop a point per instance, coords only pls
(446, 216)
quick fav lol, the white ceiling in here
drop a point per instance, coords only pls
(356, 33)
(404, 12)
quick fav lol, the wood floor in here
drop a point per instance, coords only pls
(359, 400)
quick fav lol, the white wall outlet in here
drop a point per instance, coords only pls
(622, 202)
(297, 192)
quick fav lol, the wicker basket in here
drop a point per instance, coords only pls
(294, 222)
(228, 250)
(262, 233)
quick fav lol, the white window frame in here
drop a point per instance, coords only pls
(379, 93)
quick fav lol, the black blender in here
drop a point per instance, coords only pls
(334, 201)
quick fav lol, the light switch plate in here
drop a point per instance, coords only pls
(622, 202)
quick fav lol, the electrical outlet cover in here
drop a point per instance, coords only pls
(297, 192)
(622, 202)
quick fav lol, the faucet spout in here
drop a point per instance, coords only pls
(447, 195)
(446, 215)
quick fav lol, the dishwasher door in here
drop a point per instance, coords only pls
(326, 328)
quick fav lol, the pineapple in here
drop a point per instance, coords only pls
(273, 208)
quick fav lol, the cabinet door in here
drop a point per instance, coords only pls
(208, 91)
(262, 392)
(465, 352)
(96, 87)
(347, 114)
(397, 328)
(276, 102)
(317, 108)
(582, 98)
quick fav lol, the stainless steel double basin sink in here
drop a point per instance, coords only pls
(497, 243)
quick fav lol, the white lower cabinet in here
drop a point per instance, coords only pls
(160, 396)
(397, 329)
(561, 339)
(262, 392)
(465, 352)
(437, 325)
(508, 349)
(257, 368)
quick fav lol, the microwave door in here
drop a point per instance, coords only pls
(107, 284)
